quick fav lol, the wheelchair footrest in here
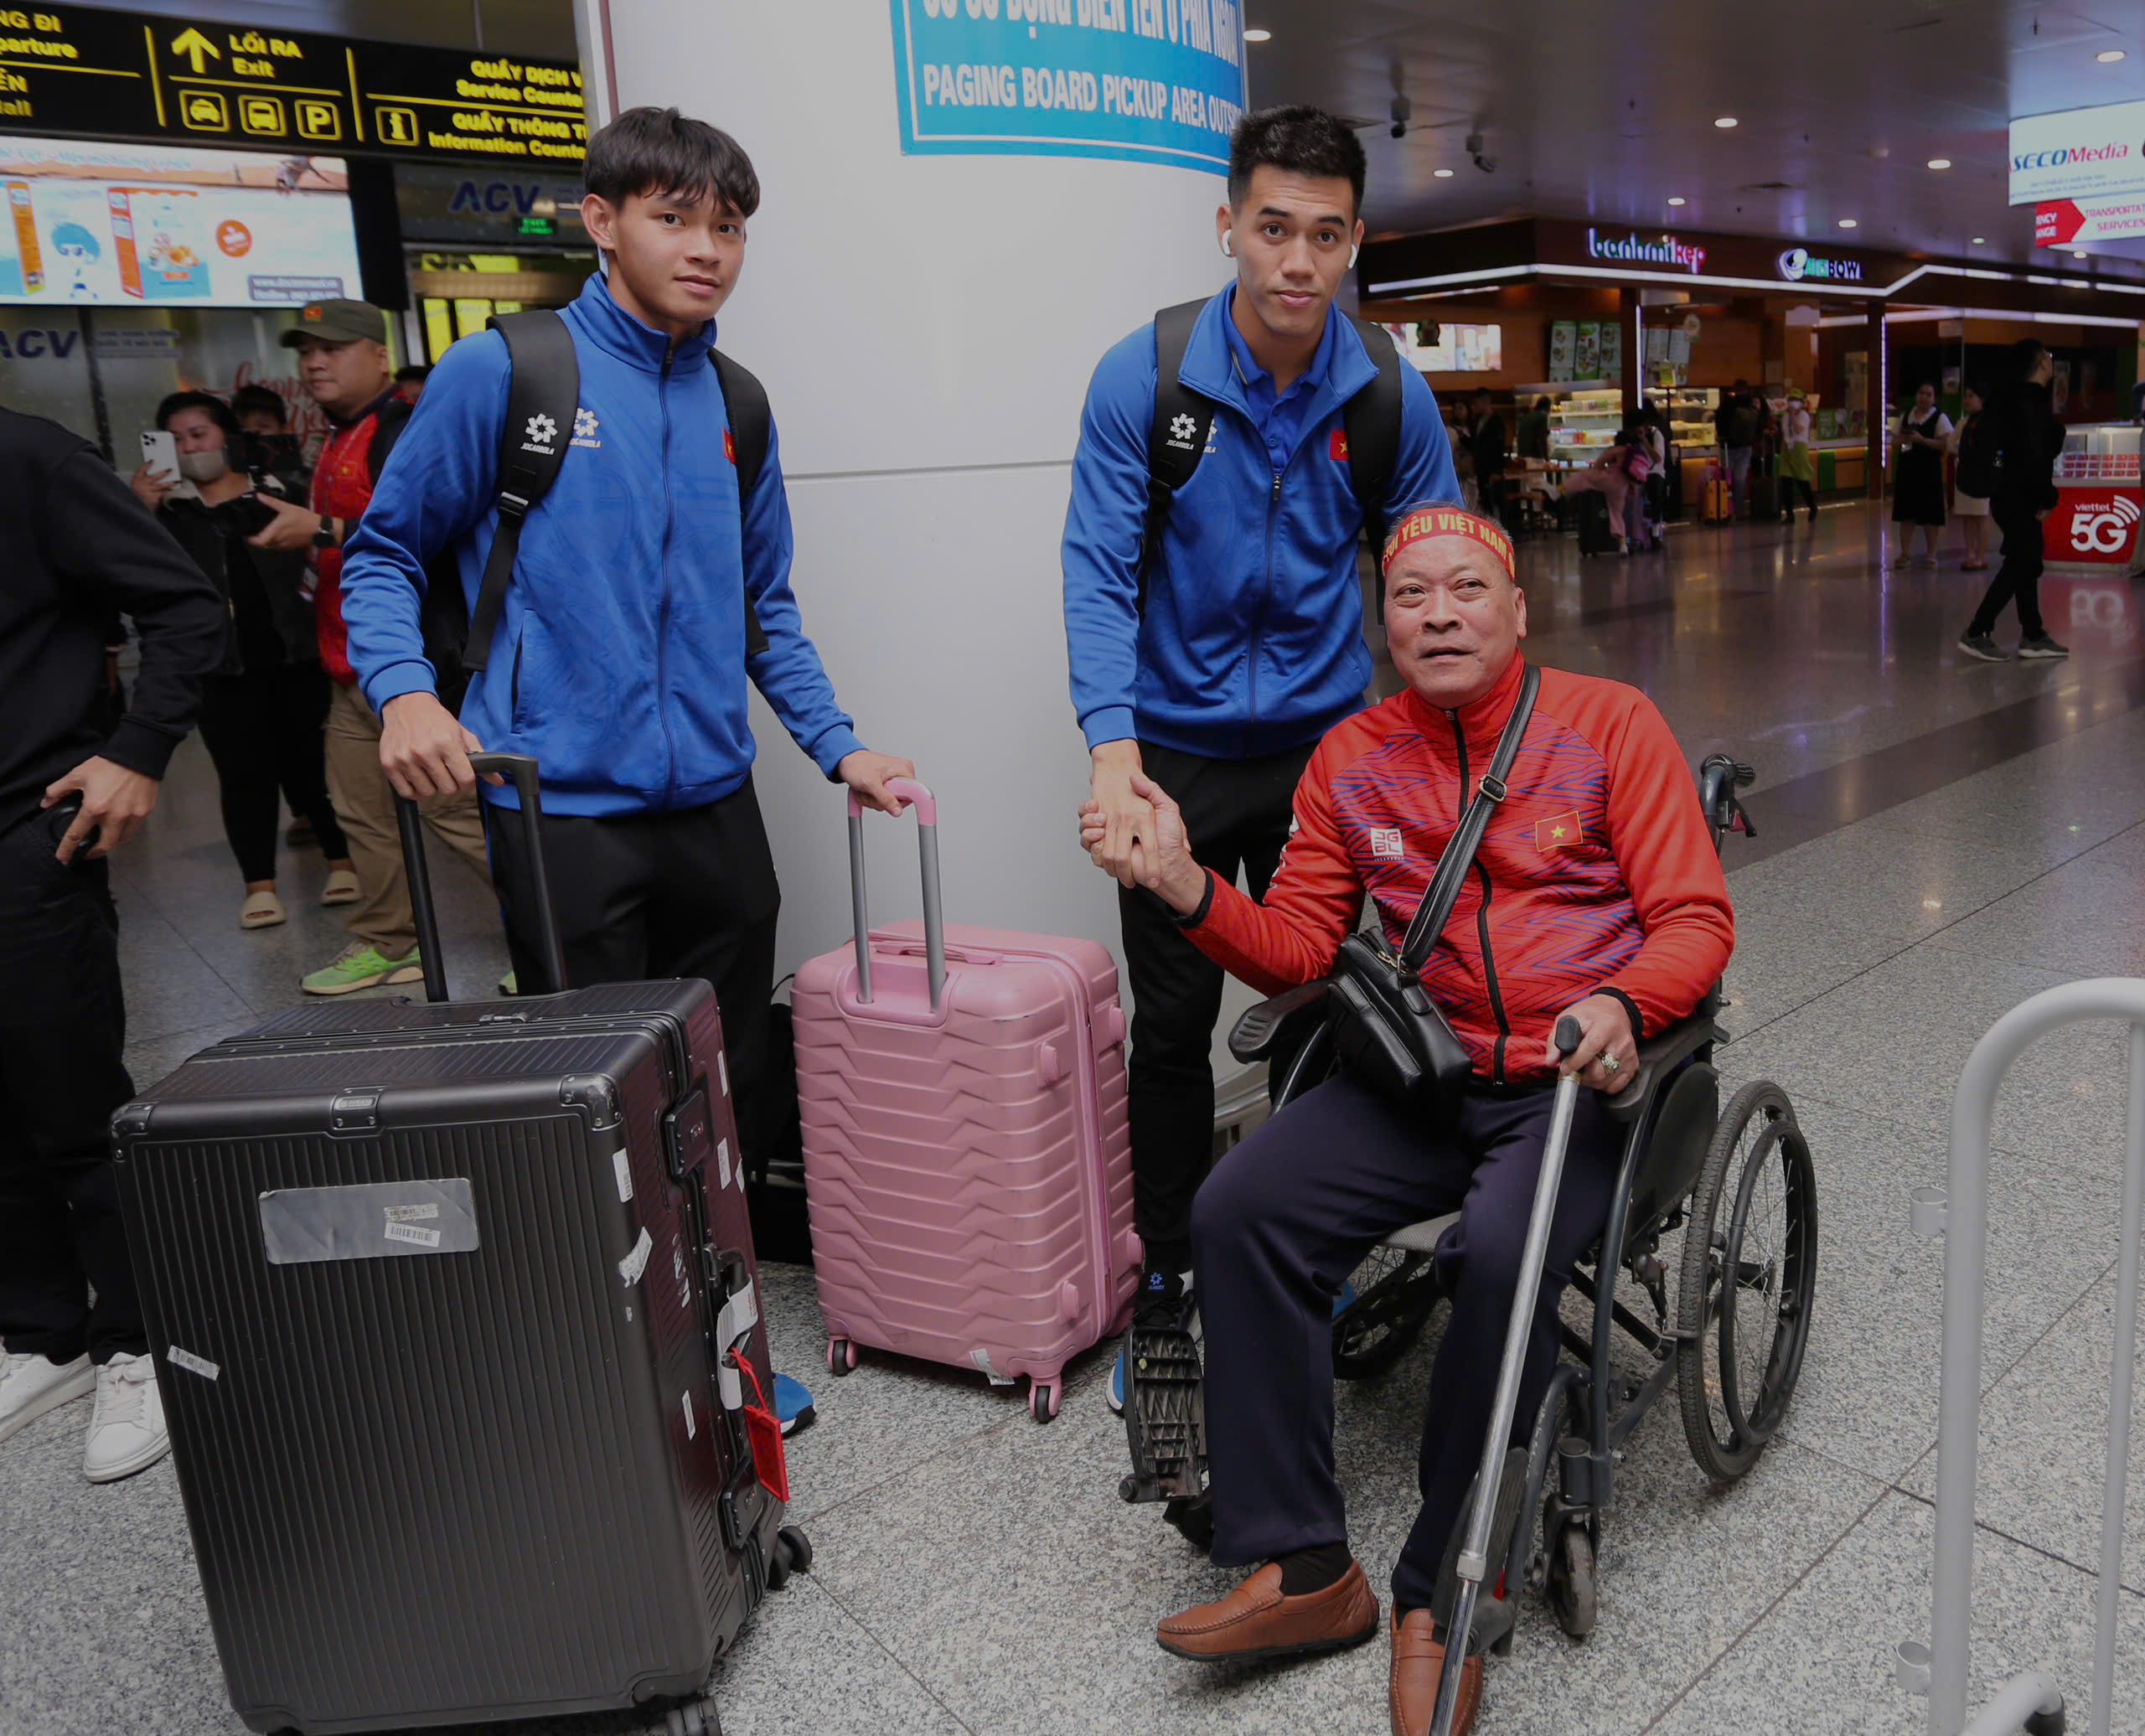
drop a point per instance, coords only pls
(1165, 1416)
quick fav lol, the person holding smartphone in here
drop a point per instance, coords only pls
(263, 709)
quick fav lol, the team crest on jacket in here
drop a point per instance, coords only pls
(1560, 831)
(1387, 846)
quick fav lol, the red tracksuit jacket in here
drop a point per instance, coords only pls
(1597, 872)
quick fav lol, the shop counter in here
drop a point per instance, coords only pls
(2094, 527)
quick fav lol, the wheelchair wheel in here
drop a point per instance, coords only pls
(1573, 1590)
(1395, 1291)
(1750, 1273)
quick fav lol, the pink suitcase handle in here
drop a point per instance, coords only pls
(934, 924)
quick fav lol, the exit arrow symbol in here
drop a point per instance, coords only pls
(194, 45)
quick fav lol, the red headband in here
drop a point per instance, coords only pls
(1431, 521)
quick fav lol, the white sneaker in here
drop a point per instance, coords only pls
(31, 1385)
(127, 1434)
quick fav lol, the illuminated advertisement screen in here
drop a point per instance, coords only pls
(99, 225)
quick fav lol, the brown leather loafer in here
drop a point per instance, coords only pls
(1256, 1621)
(1418, 1663)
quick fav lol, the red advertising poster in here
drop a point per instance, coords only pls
(2097, 525)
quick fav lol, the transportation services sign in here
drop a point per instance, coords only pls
(1149, 80)
(71, 71)
(2078, 153)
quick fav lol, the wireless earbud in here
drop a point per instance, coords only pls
(1228, 244)
(1352, 252)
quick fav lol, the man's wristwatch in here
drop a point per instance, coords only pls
(325, 537)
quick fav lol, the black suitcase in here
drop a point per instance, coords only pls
(1594, 535)
(443, 1299)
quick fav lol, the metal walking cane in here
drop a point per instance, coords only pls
(1475, 1553)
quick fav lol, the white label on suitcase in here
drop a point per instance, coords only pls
(625, 1175)
(416, 1234)
(722, 1160)
(191, 1363)
(981, 1358)
(722, 1070)
(411, 1214)
(636, 1262)
(692, 1428)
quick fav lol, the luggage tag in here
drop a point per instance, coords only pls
(764, 1429)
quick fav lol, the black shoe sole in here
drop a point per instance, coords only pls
(1265, 1654)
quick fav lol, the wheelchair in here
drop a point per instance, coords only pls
(1737, 1183)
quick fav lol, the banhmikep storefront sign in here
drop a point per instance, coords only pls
(1148, 81)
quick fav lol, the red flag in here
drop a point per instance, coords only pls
(1560, 831)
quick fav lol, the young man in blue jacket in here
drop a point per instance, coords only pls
(1250, 644)
(620, 660)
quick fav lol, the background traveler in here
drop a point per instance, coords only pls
(1975, 475)
(2025, 437)
(1487, 439)
(1918, 479)
(1798, 469)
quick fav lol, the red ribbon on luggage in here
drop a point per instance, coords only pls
(764, 1429)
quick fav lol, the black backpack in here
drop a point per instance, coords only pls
(1176, 439)
(543, 395)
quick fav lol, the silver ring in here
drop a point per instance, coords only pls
(1609, 1064)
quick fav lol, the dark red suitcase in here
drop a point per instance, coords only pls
(444, 1300)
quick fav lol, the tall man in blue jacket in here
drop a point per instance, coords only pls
(620, 660)
(1250, 646)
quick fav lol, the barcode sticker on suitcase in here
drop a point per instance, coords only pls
(416, 1234)
(191, 1363)
(636, 1262)
(368, 1220)
(625, 1175)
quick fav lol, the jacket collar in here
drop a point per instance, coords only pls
(371, 409)
(1482, 720)
(1210, 371)
(617, 333)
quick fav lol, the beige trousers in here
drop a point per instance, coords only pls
(365, 803)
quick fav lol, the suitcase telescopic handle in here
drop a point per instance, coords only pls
(520, 770)
(934, 921)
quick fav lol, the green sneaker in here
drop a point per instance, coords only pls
(359, 966)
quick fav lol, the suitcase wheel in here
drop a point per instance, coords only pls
(1042, 1399)
(793, 1555)
(841, 1356)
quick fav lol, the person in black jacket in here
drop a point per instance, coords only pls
(72, 787)
(2025, 437)
(1491, 454)
(262, 713)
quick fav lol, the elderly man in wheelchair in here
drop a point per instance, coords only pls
(1593, 893)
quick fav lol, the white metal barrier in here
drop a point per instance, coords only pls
(2032, 1702)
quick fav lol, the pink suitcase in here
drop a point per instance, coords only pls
(968, 1149)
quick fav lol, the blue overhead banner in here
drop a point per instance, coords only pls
(1149, 80)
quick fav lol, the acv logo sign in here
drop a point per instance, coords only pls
(1799, 263)
(1662, 250)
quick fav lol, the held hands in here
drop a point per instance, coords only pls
(867, 774)
(1126, 820)
(423, 749)
(1605, 1029)
(1164, 867)
(115, 801)
(293, 527)
(151, 487)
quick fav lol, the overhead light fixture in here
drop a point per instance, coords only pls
(1679, 201)
(2077, 252)
(1726, 121)
(1979, 241)
(1443, 174)
(1940, 162)
(1258, 36)
(2108, 57)
(1846, 223)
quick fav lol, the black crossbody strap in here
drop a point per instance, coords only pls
(1436, 908)
(542, 395)
(1176, 434)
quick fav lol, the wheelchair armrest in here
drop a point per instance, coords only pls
(1660, 1056)
(1253, 1037)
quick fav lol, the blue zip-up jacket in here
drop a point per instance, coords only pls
(1253, 641)
(619, 661)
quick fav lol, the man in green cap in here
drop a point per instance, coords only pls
(343, 361)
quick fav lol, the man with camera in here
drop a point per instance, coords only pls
(1594, 892)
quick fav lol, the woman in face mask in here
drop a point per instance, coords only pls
(261, 715)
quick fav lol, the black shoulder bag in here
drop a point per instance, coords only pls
(1388, 1035)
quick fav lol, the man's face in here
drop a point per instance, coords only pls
(673, 260)
(1454, 618)
(343, 378)
(1292, 236)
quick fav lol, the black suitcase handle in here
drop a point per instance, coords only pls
(521, 769)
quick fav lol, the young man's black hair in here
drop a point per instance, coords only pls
(2025, 356)
(1302, 140)
(651, 151)
(259, 400)
(415, 371)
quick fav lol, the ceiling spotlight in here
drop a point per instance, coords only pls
(1846, 223)
(2077, 252)
(2108, 57)
(1940, 162)
(1443, 174)
(1679, 202)
(1258, 36)
(1978, 240)
(1726, 121)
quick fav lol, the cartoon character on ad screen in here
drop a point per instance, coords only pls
(78, 250)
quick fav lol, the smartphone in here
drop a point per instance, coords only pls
(160, 451)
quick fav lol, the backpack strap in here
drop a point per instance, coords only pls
(543, 393)
(745, 400)
(1177, 437)
(1371, 424)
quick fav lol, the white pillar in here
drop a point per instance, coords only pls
(926, 326)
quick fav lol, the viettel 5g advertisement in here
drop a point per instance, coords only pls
(127, 225)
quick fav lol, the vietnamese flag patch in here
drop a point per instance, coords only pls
(729, 446)
(1336, 446)
(1560, 831)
